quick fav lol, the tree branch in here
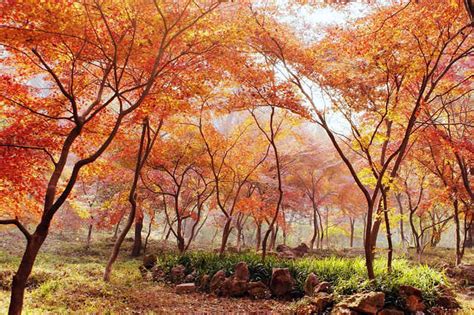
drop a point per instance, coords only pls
(18, 225)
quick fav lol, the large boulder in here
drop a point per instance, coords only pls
(367, 303)
(281, 282)
(216, 281)
(412, 298)
(258, 290)
(311, 282)
(185, 288)
(241, 272)
(178, 273)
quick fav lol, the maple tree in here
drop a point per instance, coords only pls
(95, 70)
(379, 87)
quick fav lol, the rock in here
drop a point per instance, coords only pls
(283, 248)
(234, 287)
(143, 271)
(204, 282)
(258, 290)
(311, 282)
(304, 307)
(217, 281)
(301, 250)
(286, 255)
(447, 301)
(467, 272)
(158, 274)
(242, 271)
(321, 301)
(412, 298)
(191, 277)
(368, 303)
(178, 273)
(340, 310)
(437, 310)
(232, 249)
(185, 288)
(322, 287)
(390, 311)
(149, 261)
(282, 282)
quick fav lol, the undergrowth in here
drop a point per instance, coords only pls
(346, 275)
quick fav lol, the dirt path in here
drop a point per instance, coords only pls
(163, 299)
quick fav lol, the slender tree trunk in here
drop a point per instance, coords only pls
(89, 236)
(458, 232)
(369, 244)
(225, 236)
(470, 236)
(239, 238)
(147, 235)
(132, 198)
(117, 227)
(352, 223)
(137, 242)
(274, 238)
(315, 228)
(258, 236)
(387, 229)
(327, 227)
(402, 232)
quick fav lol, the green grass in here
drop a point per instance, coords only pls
(347, 275)
(69, 282)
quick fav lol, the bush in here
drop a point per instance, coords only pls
(347, 275)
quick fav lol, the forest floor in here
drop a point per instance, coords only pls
(67, 278)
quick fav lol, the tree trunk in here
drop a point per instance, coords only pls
(147, 235)
(117, 227)
(387, 229)
(132, 198)
(402, 232)
(24, 270)
(458, 232)
(225, 236)
(274, 238)
(137, 243)
(327, 227)
(89, 236)
(352, 223)
(315, 228)
(258, 236)
(369, 244)
(470, 236)
(239, 238)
